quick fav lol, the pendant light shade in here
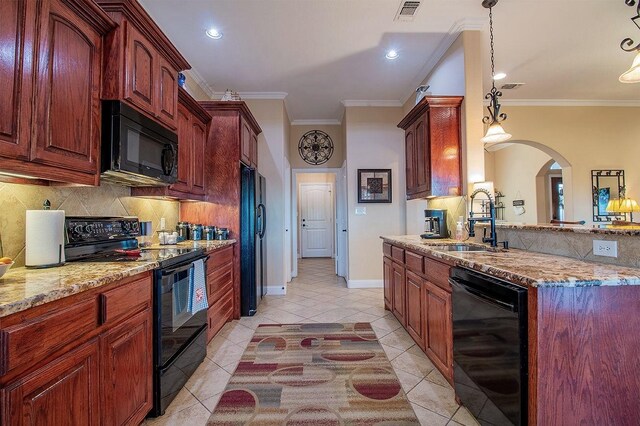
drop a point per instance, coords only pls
(632, 75)
(495, 133)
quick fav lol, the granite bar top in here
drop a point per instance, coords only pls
(525, 268)
(630, 230)
(23, 288)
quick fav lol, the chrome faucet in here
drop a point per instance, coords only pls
(493, 238)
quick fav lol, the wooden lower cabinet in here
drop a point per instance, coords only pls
(438, 338)
(415, 286)
(126, 366)
(220, 292)
(398, 284)
(388, 283)
(62, 392)
(417, 291)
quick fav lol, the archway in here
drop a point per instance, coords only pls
(556, 157)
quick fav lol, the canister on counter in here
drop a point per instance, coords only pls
(196, 232)
(222, 234)
(209, 232)
(184, 231)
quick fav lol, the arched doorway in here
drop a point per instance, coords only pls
(539, 187)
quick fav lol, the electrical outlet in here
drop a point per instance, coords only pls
(361, 211)
(605, 248)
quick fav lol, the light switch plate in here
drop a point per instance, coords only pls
(605, 248)
(361, 211)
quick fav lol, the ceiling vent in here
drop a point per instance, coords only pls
(511, 86)
(407, 10)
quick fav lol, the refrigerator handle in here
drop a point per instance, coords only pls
(263, 220)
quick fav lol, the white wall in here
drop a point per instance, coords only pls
(272, 147)
(373, 142)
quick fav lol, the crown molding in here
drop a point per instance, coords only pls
(568, 102)
(452, 35)
(259, 95)
(200, 81)
(371, 103)
(319, 122)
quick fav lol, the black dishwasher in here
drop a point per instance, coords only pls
(490, 347)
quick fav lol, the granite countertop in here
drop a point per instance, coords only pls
(525, 268)
(23, 288)
(604, 229)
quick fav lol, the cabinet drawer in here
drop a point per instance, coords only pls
(219, 258)
(437, 273)
(219, 283)
(397, 254)
(26, 343)
(414, 262)
(125, 300)
(386, 249)
(218, 314)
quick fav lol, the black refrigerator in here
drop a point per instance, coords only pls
(253, 247)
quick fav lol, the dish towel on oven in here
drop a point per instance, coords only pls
(199, 292)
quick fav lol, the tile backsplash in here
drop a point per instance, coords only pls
(455, 207)
(105, 200)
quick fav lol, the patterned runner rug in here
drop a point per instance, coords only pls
(314, 374)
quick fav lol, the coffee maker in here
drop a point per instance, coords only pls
(435, 224)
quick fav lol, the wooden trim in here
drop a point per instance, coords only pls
(425, 104)
(132, 11)
(92, 14)
(193, 106)
(532, 325)
(237, 106)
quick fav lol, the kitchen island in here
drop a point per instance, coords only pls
(583, 324)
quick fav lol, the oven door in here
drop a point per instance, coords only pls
(176, 323)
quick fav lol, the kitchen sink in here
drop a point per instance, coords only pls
(459, 247)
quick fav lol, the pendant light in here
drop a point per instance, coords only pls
(632, 75)
(495, 132)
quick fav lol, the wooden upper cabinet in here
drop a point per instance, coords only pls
(185, 152)
(141, 64)
(62, 392)
(245, 142)
(51, 76)
(254, 151)
(433, 147)
(140, 69)
(199, 138)
(15, 77)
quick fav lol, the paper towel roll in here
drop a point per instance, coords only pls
(44, 238)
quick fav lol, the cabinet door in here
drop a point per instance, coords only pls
(388, 283)
(199, 138)
(63, 392)
(415, 317)
(127, 371)
(245, 143)
(439, 334)
(140, 71)
(185, 151)
(167, 93)
(422, 159)
(410, 156)
(68, 80)
(254, 150)
(445, 151)
(15, 77)
(398, 279)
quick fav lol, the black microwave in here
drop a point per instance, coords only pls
(136, 150)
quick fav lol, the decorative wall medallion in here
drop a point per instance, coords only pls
(315, 147)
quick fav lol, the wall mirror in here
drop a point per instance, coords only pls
(607, 185)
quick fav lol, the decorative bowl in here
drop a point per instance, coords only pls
(4, 267)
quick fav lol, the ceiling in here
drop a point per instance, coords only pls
(322, 52)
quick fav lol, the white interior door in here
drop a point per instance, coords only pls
(316, 219)
(341, 222)
(287, 221)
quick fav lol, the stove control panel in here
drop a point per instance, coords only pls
(85, 229)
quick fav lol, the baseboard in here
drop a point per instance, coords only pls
(276, 290)
(365, 284)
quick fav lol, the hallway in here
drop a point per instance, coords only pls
(318, 295)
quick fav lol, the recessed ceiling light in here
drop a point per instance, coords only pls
(214, 34)
(500, 76)
(391, 54)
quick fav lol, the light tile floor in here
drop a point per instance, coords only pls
(318, 295)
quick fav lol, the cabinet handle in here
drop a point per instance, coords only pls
(103, 310)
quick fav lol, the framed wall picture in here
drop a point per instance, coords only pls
(374, 185)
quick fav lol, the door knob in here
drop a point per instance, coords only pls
(303, 225)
